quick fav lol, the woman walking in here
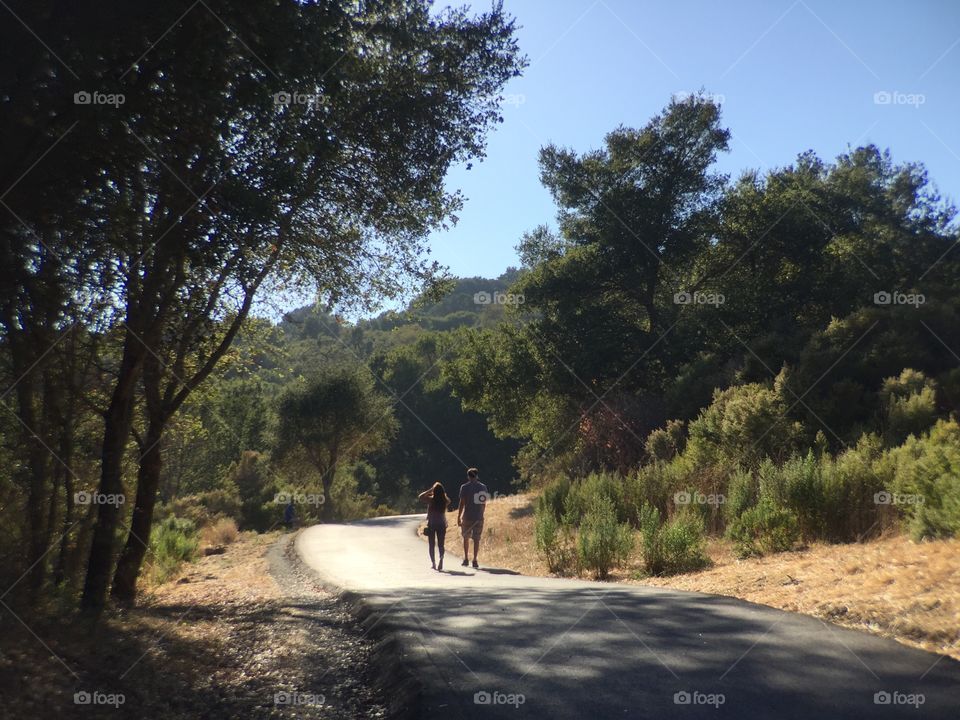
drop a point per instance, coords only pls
(437, 504)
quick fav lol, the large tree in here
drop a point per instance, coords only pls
(331, 419)
(255, 142)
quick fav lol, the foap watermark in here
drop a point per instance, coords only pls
(888, 498)
(84, 97)
(497, 298)
(896, 297)
(298, 98)
(695, 697)
(496, 697)
(698, 298)
(285, 498)
(295, 697)
(895, 697)
(681, 96)
(485, 498)
(98, 498)
(96, 697)
(698, 498)
(895, 97)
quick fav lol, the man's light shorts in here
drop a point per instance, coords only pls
(471, 529)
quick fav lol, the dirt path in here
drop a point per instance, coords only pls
(246, 634)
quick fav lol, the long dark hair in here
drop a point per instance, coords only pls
(440, 499)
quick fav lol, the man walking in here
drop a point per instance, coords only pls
(473, 498)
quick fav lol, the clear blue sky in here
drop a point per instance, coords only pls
(792, 75)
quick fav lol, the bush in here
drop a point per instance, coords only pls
(665, 443)
(581, 494)
(251, 476)
(742, 493)
(554, 496)
(553, 540)
(603, 543)
(803, 481)
(172, 542)
(909, 403)
(743, 425)
(221, 532)
(850, 483)
(675, 547)
(764, 528)
(926, 481)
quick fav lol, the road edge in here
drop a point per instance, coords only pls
(399, 685)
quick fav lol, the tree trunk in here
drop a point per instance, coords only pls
(148, 480)
(37, 469)
(116, 432)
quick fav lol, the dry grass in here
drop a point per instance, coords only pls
(892, 587)
(222, 532)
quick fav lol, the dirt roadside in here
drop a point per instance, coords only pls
(246, 634)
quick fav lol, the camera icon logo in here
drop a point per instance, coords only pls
(682, 298)
(482, 698)
(681, 498)
(882, 498)
(882, 97)
(82, 698)
(681, 697)
(82, 98)
(82, 498)
(281, 98)
(482, 298)
(882, 298)
(881, 698)
(481, 497)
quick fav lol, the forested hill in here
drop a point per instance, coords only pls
(228, 442)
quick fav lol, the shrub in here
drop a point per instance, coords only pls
(744, 424)
(221, 532)
(674, 547)
(553, 540)
(682, 545)
(803, 480)
(554, 496)
(742, 493)
(909, 403)
(926, 481)
(764, 528)
(172, 542)
(596, 485)
(850, 483)
(603, 543)
(665, 443)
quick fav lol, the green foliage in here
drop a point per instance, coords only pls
(603, 543)
(173, 542)
(743, 425)
(553, 497)
(581, 496)
(926, 482)
(764, 528)
(676, 546)
(554, 540)
(805, 490)
(256, 487)
(910, 403)
(667, 442)
(742, 492)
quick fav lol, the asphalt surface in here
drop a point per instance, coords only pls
(490, 643)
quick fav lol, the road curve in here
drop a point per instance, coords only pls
(492, 644)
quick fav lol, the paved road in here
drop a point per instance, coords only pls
(577, 649)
